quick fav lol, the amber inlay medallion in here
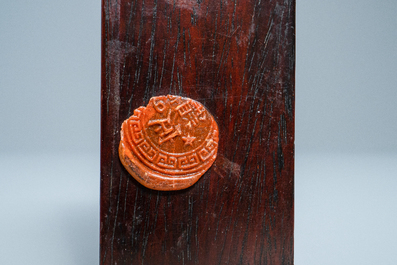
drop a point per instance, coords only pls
(170, 143)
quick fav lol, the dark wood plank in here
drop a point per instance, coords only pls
(237, 58)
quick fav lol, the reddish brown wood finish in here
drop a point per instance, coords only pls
(237, 58)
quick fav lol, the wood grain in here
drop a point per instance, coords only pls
(237, 58)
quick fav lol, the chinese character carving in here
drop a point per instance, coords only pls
(170, 143)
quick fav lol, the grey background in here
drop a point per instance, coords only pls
(346, 123)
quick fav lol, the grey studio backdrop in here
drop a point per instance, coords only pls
(346, 124)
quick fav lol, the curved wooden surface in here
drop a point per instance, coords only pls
(237, 58)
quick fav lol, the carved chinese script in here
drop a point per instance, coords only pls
(170, 143)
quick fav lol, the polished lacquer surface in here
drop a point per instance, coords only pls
(236, 59)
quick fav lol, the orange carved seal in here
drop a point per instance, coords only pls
(170, 143)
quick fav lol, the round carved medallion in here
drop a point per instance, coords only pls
(170, 143)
